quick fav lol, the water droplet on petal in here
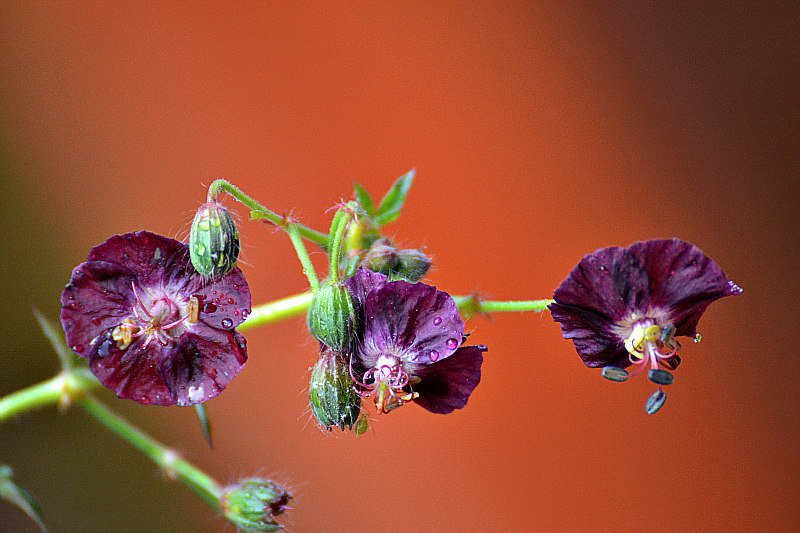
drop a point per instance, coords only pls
(231, 300)
(452, 344)
(433, 355)
(77, 348)
(245, 313)
(437, 321)
(655, 402)
(96, 321)
(226, 323)
(209, 307)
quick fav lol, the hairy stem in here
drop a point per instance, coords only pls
(219, 185)
(175, 467)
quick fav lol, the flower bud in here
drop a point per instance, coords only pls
(331, 316)
(252, 503)
(412, 265)
(213, 241)
(382, 257)
(333, 399)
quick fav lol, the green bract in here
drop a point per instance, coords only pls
(331, 316)
(213, 241)
(333, 400)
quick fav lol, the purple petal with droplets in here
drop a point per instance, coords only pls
(202, 354)
(400, 320)
(362, 283)
(448, 384)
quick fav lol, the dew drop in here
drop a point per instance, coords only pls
(145, 400)
(226, 323)
(697, 337)
(437, 321)
(235, 312)
(231, 300)
(452, 344)
(78, 348)
(71, 297)
(236, 286)
(245, 313)
(603, 269)
(96, 321)
(433, 355)
(209, 307)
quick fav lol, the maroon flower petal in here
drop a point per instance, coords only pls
(682, 279)
(132, 373)
(608, 286)
(225, 302)
(98, 297)
(203, 365)
(152, 257)
(413, 321)
(173, 356)
(447, 385)
(362, 283)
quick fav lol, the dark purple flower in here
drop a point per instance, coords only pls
(625, 306)
(153, 329)
(409, 345)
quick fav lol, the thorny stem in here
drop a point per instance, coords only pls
(175, 467)
(218, 185)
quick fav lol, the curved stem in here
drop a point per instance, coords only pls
(198, 481)
(335, 247)
(218, 185)
(302, 254)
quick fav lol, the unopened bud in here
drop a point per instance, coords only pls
(252, 504)
(381, 257)
(333, 399)
(213, 241)
(412, 265)
(331, 316)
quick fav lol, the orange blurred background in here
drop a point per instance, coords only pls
(539, 133)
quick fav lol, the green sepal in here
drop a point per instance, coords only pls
(331, 316)
(333, 400)
(205, 422)
(391, 204)
(20, 496)
(56, 337)
(364, 199)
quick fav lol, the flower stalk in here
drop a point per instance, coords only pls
(168, 460)
(219, 185)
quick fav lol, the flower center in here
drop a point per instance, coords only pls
(649, 342)
(387, 380)
(155, 315)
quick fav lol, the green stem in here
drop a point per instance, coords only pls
(61, 388)
(335, 247)
(218, 185)
(302, 254)
(296, 305)
(199, 482)
(278, 310)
